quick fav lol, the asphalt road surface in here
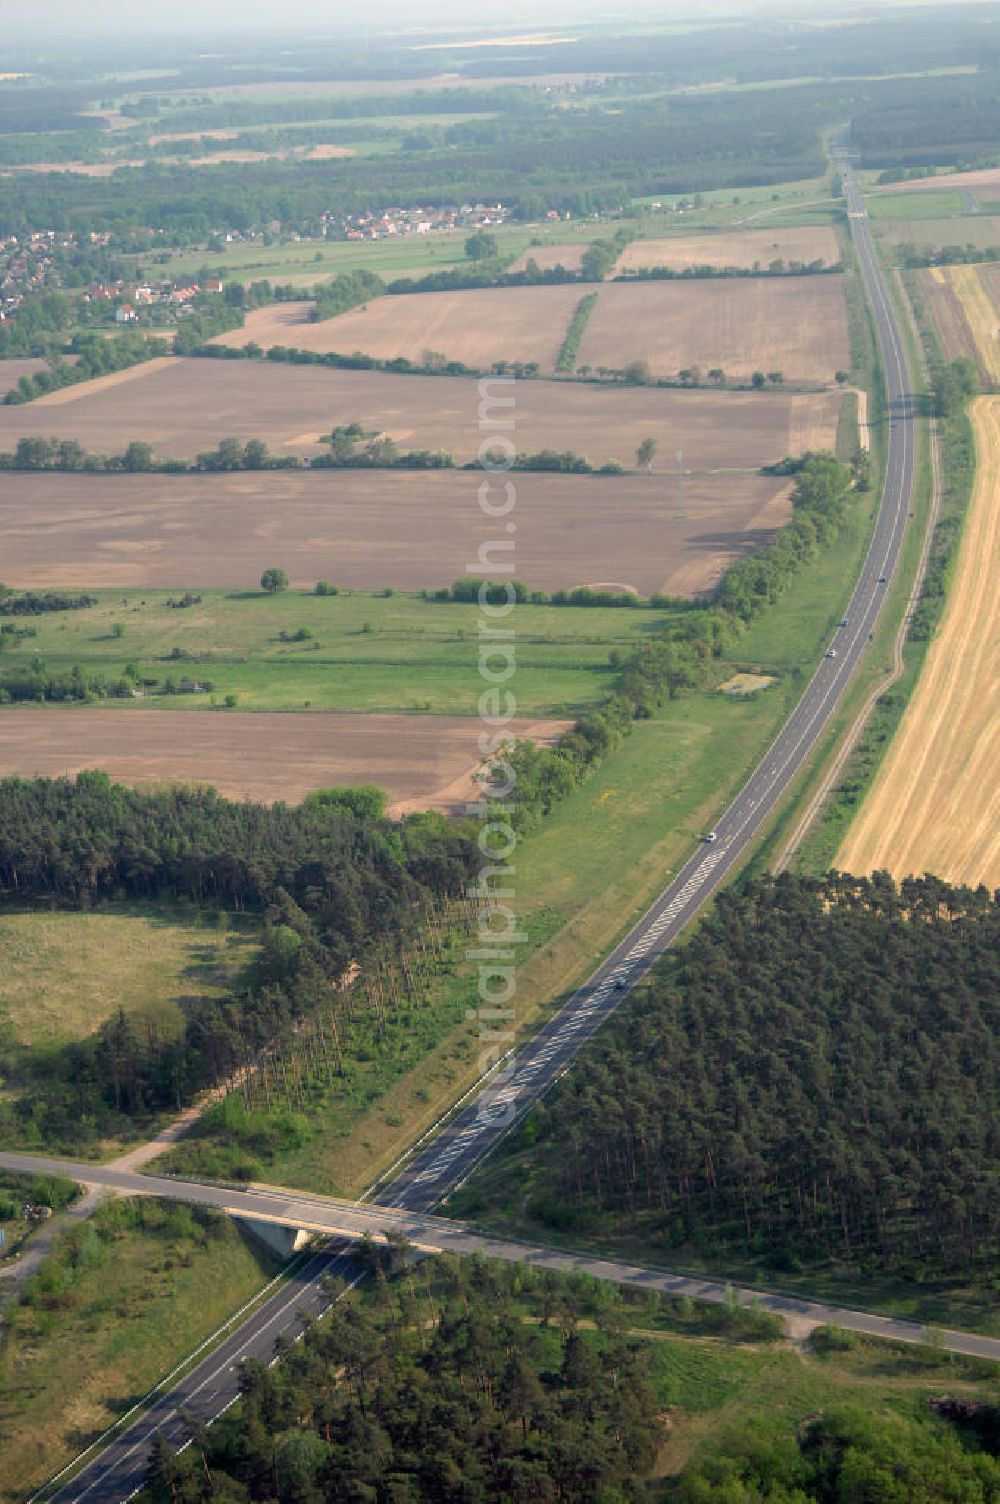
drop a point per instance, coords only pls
(448, 1158)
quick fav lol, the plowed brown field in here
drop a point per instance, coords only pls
(370, 529)
(182, 407)
(935, 806)
(425, 762)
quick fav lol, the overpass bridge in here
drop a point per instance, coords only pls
(348, 1222)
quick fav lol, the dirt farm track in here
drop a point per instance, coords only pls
(424, 761)
(935, 806)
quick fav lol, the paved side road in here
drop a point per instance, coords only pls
(472, 1134)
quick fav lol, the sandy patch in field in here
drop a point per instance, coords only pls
(796, 325)
(425, 762)
(477, 326)
(935, 806)
(371, 529)
(743, 248)
(746, 684)
(184, 406)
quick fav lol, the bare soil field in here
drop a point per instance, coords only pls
(477, 326)
(796, 325)
(185, 406)
(12, 370)
(425, 762)
(743, 248)
(373, 529)
(548, 256)
(935, 806)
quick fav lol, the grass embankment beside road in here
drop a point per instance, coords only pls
(121, 1300)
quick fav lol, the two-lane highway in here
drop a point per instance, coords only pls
(475, 1131)
(439, 1166)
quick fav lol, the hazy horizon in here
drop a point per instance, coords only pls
(50, 20)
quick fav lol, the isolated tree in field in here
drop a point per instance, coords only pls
(273, 580)
(717, 375)
(842, 377)
(646, 454)
(758, 380)
(776, 378)
(480, 246)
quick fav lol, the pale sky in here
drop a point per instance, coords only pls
(93, 18)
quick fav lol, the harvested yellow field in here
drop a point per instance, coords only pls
(981, 314)
(742, 248)
(935, 806)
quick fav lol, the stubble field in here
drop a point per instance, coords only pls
(184, 406)
(743, 248)
(965, 308)
(796, 325)
(476, 326)
(371, 529)
(935, 806)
